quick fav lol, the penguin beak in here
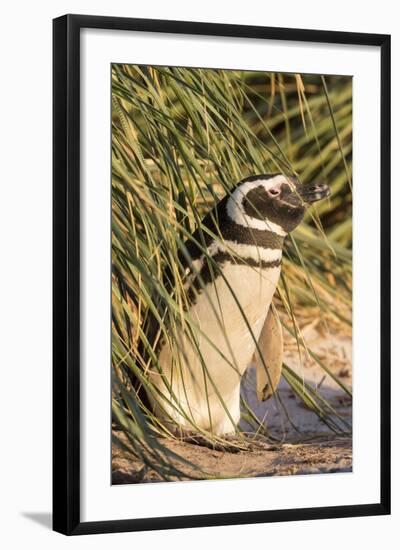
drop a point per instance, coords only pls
(313, 192)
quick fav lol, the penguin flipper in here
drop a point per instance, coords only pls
(270, 345)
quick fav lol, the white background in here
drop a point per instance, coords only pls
(26, 272)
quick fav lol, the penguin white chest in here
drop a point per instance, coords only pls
(230, 312)
(204, 371)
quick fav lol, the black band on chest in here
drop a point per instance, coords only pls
(211, 270)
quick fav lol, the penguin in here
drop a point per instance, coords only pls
(228, 319)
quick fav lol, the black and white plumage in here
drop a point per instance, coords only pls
(229, 299)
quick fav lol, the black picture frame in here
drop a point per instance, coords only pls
(66, 273)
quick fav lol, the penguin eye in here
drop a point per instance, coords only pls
(274, 192)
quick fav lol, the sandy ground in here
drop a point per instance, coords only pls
(327, 456)
(306, 448)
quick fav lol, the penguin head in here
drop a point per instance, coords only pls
(273, 202)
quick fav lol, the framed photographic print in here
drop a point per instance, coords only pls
(221, 274)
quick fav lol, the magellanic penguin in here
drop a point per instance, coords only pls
(229, 314)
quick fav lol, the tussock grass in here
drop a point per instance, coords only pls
(181, 138)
